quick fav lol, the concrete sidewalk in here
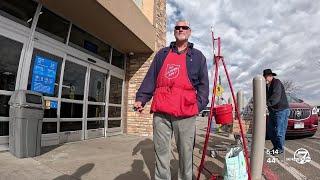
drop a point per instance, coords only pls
(119, 157)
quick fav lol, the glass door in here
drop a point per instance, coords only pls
(115, 105)
(96, 102)
(72, 106)
(83, 100)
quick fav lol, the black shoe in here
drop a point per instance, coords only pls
(280, 151)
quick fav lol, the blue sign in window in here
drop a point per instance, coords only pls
(44, 75)
(53, 104)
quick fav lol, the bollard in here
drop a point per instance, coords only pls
(240, 106)
(259, 126)
(230, 100)
(240, 101)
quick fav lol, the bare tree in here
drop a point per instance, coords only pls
(291, 87)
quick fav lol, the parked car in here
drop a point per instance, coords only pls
(318, 113)
(303, 118)
(205, 112)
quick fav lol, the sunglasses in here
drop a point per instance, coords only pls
(183, 27)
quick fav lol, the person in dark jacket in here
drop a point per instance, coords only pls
(178, 82)
(278, 107)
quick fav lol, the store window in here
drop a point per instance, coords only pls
(114, 112)
(4, 128)
(71, 110)
(44, 75)
(97, 87)
(20, 11)
(96, 111)
(4, 106)
(114, 123)
(95, 124)
(70, 126)
(49, 127)
(73, 81)
(53, 25)
(115, 99)
(10, 52)
(4, 111)
(115, 95)
(82, 40)
(118, 59)
(50, 112)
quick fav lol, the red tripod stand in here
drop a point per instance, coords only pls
(217, 59)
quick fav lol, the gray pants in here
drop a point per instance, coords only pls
(184, 132)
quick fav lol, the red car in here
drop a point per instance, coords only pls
(303, 119)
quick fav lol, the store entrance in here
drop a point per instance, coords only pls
(75, 94)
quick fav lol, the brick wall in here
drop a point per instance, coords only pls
(136, 68)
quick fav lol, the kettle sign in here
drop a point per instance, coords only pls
(172, 71)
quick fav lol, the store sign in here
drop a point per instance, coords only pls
(44, 75)
(49, 104)
(54, 105)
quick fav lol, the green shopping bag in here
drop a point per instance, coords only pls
(235, 165)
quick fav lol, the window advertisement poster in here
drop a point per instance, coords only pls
(44, 75)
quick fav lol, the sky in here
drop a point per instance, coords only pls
(281, 35)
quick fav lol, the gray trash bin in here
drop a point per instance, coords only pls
(25, 125)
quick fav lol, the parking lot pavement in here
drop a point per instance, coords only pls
(217, 141)
(119, 157)
(287, 166)
(132, 157)
(291, 166)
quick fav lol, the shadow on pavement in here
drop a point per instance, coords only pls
(301, 137)
(213, 168)
(147, 151)
(79, 172)
(136, 172)
(47, 149)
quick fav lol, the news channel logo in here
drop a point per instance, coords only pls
(300, 156)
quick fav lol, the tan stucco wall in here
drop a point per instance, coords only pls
(147, 9)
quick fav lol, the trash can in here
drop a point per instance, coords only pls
(25, 124)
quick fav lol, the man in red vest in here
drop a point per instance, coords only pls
(178, 82)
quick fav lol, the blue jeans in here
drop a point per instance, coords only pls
(277, 127)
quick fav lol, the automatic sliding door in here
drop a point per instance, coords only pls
(115, 105)
(96, 103)
(72, 101)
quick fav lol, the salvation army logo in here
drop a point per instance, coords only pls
(172, 71)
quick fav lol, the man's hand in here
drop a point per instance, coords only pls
(138, 106)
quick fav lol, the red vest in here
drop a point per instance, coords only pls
(174, 93)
